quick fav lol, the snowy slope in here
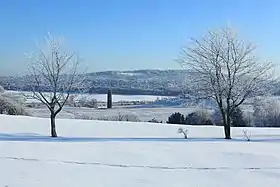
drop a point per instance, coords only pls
(118, 154)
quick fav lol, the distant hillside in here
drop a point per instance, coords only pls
(138, 82)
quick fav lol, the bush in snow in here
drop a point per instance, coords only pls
(11, 107)
(84, 117)
(176, 118)
(154, 121)
(126, 117)
(82, 102)
(184, 132)
(247, 135)
(199, 117)
(91, 103)
(120, 117)
(105, 118)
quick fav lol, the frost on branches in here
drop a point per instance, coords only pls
(54, 70)
(266, 112)
(226, 69)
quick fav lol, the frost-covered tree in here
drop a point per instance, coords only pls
(260, 108)
(226, 69)
(54, 69)
(266, 112)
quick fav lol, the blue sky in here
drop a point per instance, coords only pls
(130, 34)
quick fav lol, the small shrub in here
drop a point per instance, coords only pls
(176, 118)
(247, 135)
(154, 121)
(82, 102)
(200, 117)
(105, 118)
(11, 107)
(127, 117)
(92, 103)
(84, 117)
(184, 132)
(120, 117)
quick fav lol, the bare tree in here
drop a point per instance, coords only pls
(54, 75)
(225, 68)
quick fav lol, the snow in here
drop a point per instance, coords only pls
(125, 154)
(129, 73)
(100, 97)
(143, 114)
(118, 98)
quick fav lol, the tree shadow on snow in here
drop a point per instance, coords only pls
(33, 137)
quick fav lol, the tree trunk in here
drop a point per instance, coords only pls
(226, 124)
(53, 128)
(227, 127)
(227, 132)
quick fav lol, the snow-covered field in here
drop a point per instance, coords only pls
(143, 114)
(119, 154)
(99, 97)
